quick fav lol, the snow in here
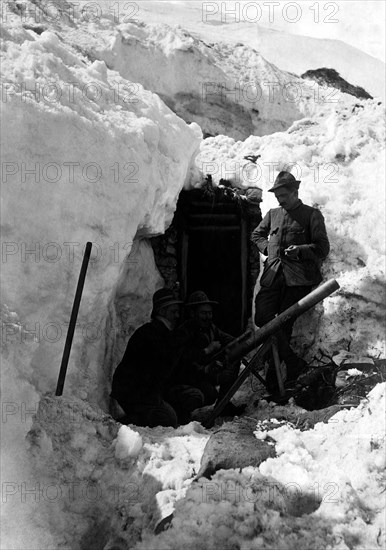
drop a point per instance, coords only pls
(323, 490)
(338, 155)
(285, 43)
(129, 443)
(92, 153)
(106, 172)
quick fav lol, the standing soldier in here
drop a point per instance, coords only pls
(294, 238)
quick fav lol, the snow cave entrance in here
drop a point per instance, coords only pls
(208, 248)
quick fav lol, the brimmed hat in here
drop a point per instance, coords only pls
(285, 179)
(254, 194)
(199, 298)
(163, 298)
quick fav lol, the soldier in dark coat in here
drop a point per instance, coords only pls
(198, 340)
(142, 382)
(294, 238)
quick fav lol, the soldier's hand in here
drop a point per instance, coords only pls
(292, 251)
(213, 346)
(214, 368)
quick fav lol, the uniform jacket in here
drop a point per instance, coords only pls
(302, 226)
(146, 365)
(191, 340)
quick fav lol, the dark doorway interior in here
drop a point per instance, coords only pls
(213, 253)
(208, 248)
(214, 264)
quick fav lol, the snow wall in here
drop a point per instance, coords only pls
(83, 162)
(338, 155)
(77, 167)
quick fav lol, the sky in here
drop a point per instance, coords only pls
(360, 23)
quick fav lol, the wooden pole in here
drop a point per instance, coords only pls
(277, 362)
(74, 315)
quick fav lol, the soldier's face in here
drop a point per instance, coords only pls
(286, 197)
(203, 315)
(172, 314)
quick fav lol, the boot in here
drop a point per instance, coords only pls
(295, 370)
(232, 410)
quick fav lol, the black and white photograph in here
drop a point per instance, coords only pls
(193, 258)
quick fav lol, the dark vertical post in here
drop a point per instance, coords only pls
(74, 315)
(244, 273)
(184, 263)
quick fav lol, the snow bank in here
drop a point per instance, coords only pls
(287, 43)
(92, 481)
(339, 156)
(226, 88)
(77, 169)
(323, 491)
(82, 161)
(234, 90)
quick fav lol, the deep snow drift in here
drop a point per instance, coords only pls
(88, 155)
(97, 485)
(81, 162)
(273, 31)
(323, 490)
(339, 157)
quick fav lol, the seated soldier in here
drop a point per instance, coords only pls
(140, 382)
(198, 340)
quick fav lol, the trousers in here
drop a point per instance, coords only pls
(273, 300)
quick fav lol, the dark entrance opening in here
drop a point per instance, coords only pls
(216, 265)
(212, 253)
(208, 248)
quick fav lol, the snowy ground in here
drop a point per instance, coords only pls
(97, 485)
(90, 154)
(323, 490)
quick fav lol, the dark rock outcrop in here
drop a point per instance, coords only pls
(332, 78)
